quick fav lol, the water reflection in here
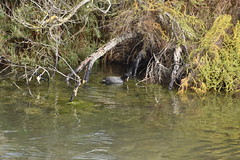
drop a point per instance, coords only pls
(117, 122)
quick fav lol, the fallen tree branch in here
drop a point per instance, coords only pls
(99, 53)
(90, 60)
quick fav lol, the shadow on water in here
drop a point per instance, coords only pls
(116, 122)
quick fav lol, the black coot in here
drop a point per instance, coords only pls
(115, 79)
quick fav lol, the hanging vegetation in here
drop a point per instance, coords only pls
(215, 62)
(188, 43)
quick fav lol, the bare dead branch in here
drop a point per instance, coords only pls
(101, 51)
(89, 61)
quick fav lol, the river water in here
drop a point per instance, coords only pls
(124, 122)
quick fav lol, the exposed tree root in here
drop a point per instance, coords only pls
(178, 62)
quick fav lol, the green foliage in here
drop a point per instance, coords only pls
(216, 61)
(197, 2)
(183, 25)
(78, 39)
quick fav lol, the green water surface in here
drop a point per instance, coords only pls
(124, 122)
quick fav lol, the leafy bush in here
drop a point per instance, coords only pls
(215, 63)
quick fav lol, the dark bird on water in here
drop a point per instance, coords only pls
(115, 79)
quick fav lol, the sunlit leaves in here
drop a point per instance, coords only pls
(218, 59)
